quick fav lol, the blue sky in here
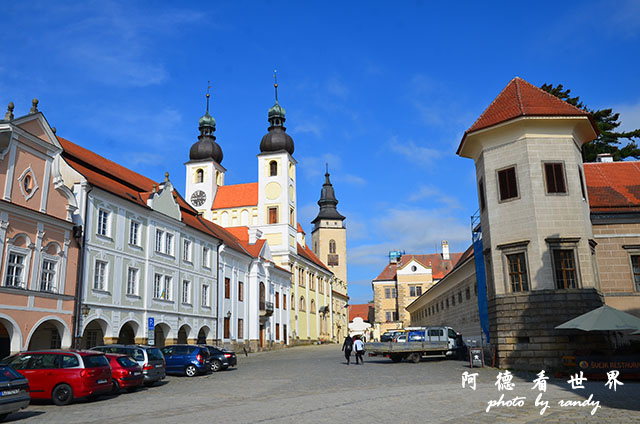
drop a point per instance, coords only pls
(382, 91)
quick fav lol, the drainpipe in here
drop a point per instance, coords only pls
(80, 235)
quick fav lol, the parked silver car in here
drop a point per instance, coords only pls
(150, 359)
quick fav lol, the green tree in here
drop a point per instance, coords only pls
(609, 140)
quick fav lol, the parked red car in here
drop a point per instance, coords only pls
(63, 375)
(125, 373)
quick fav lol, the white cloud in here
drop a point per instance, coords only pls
(434, 197)
(420, 155)
(315, 166)
(629, 116)
(351, 179)
(312, 126)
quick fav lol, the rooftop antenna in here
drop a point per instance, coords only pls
(275, 85)
(208, 88)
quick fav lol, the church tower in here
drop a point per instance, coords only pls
(329, 235)
(204, 172)
(277, 212)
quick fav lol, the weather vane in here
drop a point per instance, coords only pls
(275, 78)
(208, 88)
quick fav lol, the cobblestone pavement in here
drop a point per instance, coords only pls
(314, 384)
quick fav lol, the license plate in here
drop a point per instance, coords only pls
(104, 380)
(10, 392)
(137, 373)
(159, 366)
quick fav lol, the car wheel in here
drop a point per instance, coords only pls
(216, 365)
(191, 371)
(396, 358)
(414, 357)
(115, 389)
(62, 394)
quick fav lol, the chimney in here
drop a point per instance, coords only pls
(445, 250)
(254, 235)
(604, 157)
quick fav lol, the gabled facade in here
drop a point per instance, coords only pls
(39, 251)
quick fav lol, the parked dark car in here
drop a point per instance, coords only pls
(63, 375)
(149, 358)
(388, 336)
(14, 391)
(189, 360)
(221, 359)
(125, 373)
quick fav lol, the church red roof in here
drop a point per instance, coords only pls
(613, 186)
(236, 195)
(306, 253)
(360, 310)
(520, 98)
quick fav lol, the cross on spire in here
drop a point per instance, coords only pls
(275, 85)
(208, 88)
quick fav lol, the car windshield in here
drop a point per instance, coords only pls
(8, 374)
(155, 354)
(94, 361)
(125, 361)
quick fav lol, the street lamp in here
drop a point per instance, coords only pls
(229, 314)
(85, 310)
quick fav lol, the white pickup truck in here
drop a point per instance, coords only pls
(418, 342)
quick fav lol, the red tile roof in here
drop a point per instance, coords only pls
(236, 195)
(306, 253)
(439, 266)
(361, 310)
(241, 233)
(613, 186)
(129, 185)
(300, 230)
(520, 98)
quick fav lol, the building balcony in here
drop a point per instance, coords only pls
(266, 308)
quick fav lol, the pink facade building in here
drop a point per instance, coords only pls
(39, 255)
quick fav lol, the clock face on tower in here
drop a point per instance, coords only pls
(198, 198)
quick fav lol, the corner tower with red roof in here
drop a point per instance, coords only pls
(538, 244)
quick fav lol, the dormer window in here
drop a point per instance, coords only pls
(273, 168)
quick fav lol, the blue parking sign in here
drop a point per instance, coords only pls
(151, 325)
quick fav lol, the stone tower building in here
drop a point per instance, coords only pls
(538, 244)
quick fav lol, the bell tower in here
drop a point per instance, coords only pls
(277, 209)
(329, 234)
(204, 172)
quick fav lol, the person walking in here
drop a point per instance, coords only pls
(347, 346)
(358, 347)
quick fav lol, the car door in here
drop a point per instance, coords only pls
(169, 357)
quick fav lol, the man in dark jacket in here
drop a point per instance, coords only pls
(347, 346)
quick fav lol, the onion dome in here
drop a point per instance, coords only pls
(206, 147)
(276, 139)
(328, 202)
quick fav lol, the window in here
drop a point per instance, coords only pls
(565, 268)
(415, 290)
(166, 290)
(313, 306)
(453, 300)
(205, 295)
(312, 282)
(100, 276)
(157, 286)
(48, 276)
(390, 292)
(168, 244)
(227, 288)
(468, 293)
(205, 257)
(635, 269)
(554, 176)
(332, 246)
(303, 306)
(292, 220)
(199, 175)
(15, 270)
(518, 272)
(132, 281)
(240, 291)
(103, 222)
(273, 168)
(584, 196)
(272, 213)
(227, 329)
(186, 291)
(293, 301)
(508, 184)
(277, 297)
(284, 301)
(186, 250)
(277, 331)
(134, 233)
(483, 201)
(391, 316)
(240, 329)
(159, 238)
